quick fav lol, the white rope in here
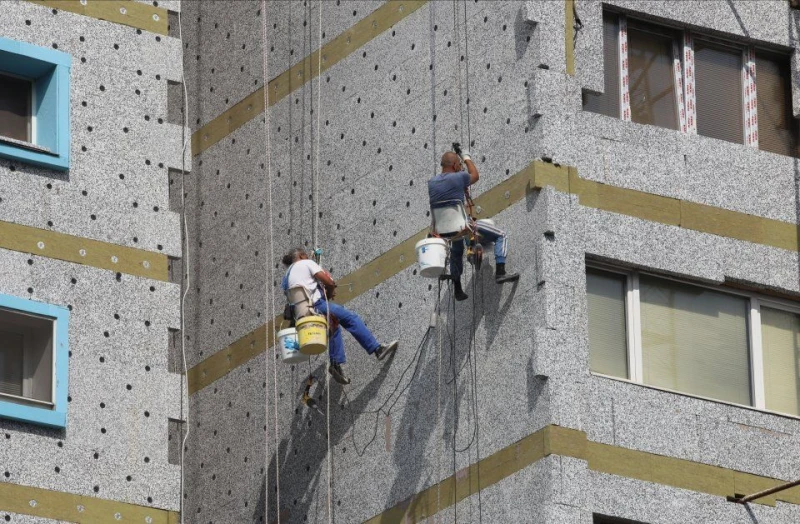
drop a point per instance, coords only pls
(185, 281)
(439, 407)
(318, 110)
(328, 420)
(270, 298)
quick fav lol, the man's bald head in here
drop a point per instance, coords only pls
(451, 162)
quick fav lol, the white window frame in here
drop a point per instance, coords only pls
(753, 318)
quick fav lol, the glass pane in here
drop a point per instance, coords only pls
(15, 108)
(652, 84)
(10, 363)
(694, 340)
(718, 87)
(777, 127)
(780, 338)
(608, 102)
(608, 348)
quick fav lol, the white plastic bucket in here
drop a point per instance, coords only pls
(431, 256)
(289, 346)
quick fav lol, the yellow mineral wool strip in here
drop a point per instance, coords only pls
(125, 12)
(685, 214)
(304, 71)
(603, 458)
(392, 262)
(95, 253)
(56, 505)
(569, 35)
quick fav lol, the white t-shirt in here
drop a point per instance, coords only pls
(301, 273)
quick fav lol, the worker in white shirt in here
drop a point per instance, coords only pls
(319, 284)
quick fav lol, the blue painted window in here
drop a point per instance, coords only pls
(34, 354)
(34, 104)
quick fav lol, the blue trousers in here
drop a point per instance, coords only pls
(352, 323)
(487, 235)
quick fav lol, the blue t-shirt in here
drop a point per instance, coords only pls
(447, 186)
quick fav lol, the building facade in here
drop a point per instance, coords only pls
(640, 155)
(90, 400)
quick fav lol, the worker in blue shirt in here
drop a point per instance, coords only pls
(451, 185)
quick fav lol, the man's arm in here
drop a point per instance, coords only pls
(474, 176)
(326, 280)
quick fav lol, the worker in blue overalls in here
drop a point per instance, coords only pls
(452, 185)
(321, 288)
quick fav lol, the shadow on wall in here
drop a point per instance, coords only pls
(458, 356)
(303, 471)
(524, 32)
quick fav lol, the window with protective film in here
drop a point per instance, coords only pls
(33, 361)
(34, 104)
(679, 79)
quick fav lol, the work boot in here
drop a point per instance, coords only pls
(500, 275)
(338, 374)
(385, 350)
(460, 295)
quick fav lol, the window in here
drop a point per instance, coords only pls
(33, 361)
(607, 103)
(777, 127)
(15, 107)
(696, 84)
(651, 83)
(718, 87)
(732, 346)
(34, 104)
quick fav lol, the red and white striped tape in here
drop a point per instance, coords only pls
(750, 100)
(678, 78)
(690, 99)
(625, 99)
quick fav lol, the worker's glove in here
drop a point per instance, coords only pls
(465, 155)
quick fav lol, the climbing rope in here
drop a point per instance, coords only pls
(457, 37)
(318, 111)
(185, 280)
(270, 297)
(466, 68)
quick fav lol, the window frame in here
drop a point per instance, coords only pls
(54, 413)
(685, 71)
(755, 342)
(31, 104)
(48, 71)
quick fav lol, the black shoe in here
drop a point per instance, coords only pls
(460, 295)
(338, 374)
(500, 275)
(510, 277)
(385, 350)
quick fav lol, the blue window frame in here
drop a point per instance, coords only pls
(48, 71)
(43, 397)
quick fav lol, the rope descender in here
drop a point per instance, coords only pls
(307, 399)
